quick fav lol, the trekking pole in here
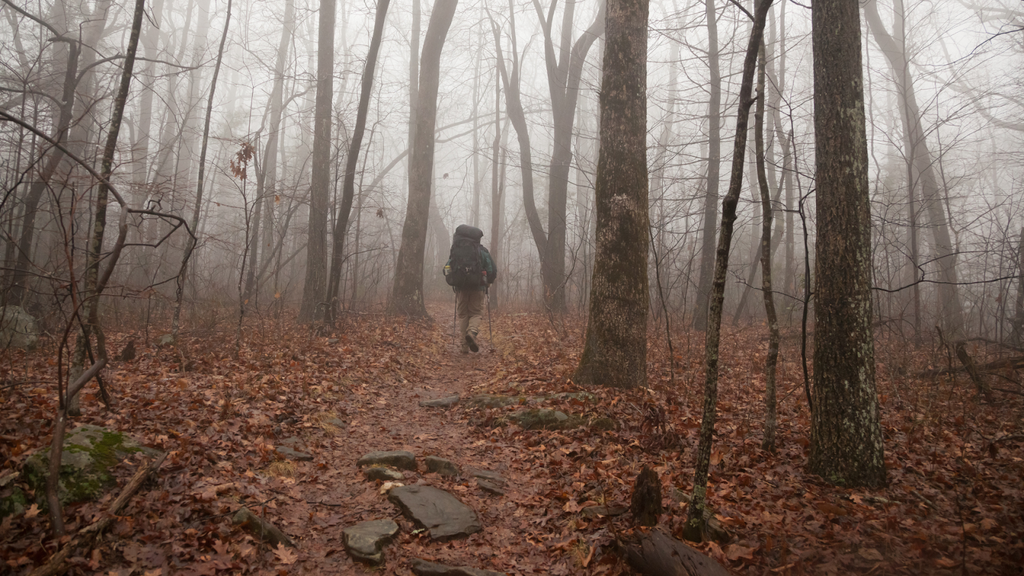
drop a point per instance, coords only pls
(490, 323)
(455, 312)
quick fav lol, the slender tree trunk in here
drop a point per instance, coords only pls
(315, 286)
(407, 291)
(696, 527)
(950, 312)
(510, 80)
(707, 253)
(615, 345)
(846, 436)
(191, 242)
(563, 73)
(352, 162)
(772, 358)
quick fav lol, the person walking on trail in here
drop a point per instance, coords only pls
(469, 271)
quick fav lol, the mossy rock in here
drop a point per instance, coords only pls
(90, 453)
(545, 419)
(12, 502)
(491, 401)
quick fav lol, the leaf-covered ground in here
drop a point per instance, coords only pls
(953, 504)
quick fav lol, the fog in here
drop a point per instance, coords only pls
(945, 124)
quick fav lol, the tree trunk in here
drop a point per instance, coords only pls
(407, 291)
(514, 105)
(563, 73)
(315, 285)
(696, 525)
(352, 161)
(922, 162)
(846, 437)
(615, 346)
(191, 242)
(707, 254)
(772, 358)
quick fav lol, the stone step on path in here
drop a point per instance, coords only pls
(443, 516)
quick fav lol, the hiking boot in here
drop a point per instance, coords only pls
(471, 342)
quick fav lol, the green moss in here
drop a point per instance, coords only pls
(90, 453)
(13, 503)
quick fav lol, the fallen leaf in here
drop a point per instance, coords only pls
(285, 555)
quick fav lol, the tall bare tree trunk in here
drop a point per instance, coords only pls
(563, 73)
(191, 242)
(922, 165)
(615, 345)
(707, 262)
(407, 291)
(352, 161)
(315, 286)
(846, 436)
(696, 522)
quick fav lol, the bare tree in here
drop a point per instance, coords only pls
(846, 436)
(315, 286)
(407, 290)
(700, 316)
(696, 520)
(352, 161)
(615, 345)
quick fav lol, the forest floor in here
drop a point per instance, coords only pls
(953, 504)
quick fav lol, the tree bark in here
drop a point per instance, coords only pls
(563, 73)
(315, 285)
(772, 358)
(696, 525)
(352, 161)
(615, 346)
(922, 165)
(192, 240)
(707, 254)
(407, 291)
(846, 437)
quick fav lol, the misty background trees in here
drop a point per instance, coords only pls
(515, 143)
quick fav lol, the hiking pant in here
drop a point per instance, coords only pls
(469, 306)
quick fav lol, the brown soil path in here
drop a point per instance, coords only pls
(333, 492)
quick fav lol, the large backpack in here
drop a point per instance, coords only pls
(464, 258)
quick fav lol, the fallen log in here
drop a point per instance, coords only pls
(260, 529)
(88, 535)
(658, 554)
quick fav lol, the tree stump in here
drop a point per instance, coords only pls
(646, 501)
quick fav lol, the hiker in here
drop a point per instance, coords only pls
(469, 271)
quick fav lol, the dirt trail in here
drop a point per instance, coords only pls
(336, 494)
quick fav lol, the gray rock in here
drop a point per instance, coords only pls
(365, 541)
(541, 418)
(400, 459)
(491, 401)
(18, 328)
(446, 402)
(90, 452)
(424, 568)
(442, 514)
(441, 466)
(490, 487)
(165, 340)
(293, 454)
(491, 482)
(383, 473)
